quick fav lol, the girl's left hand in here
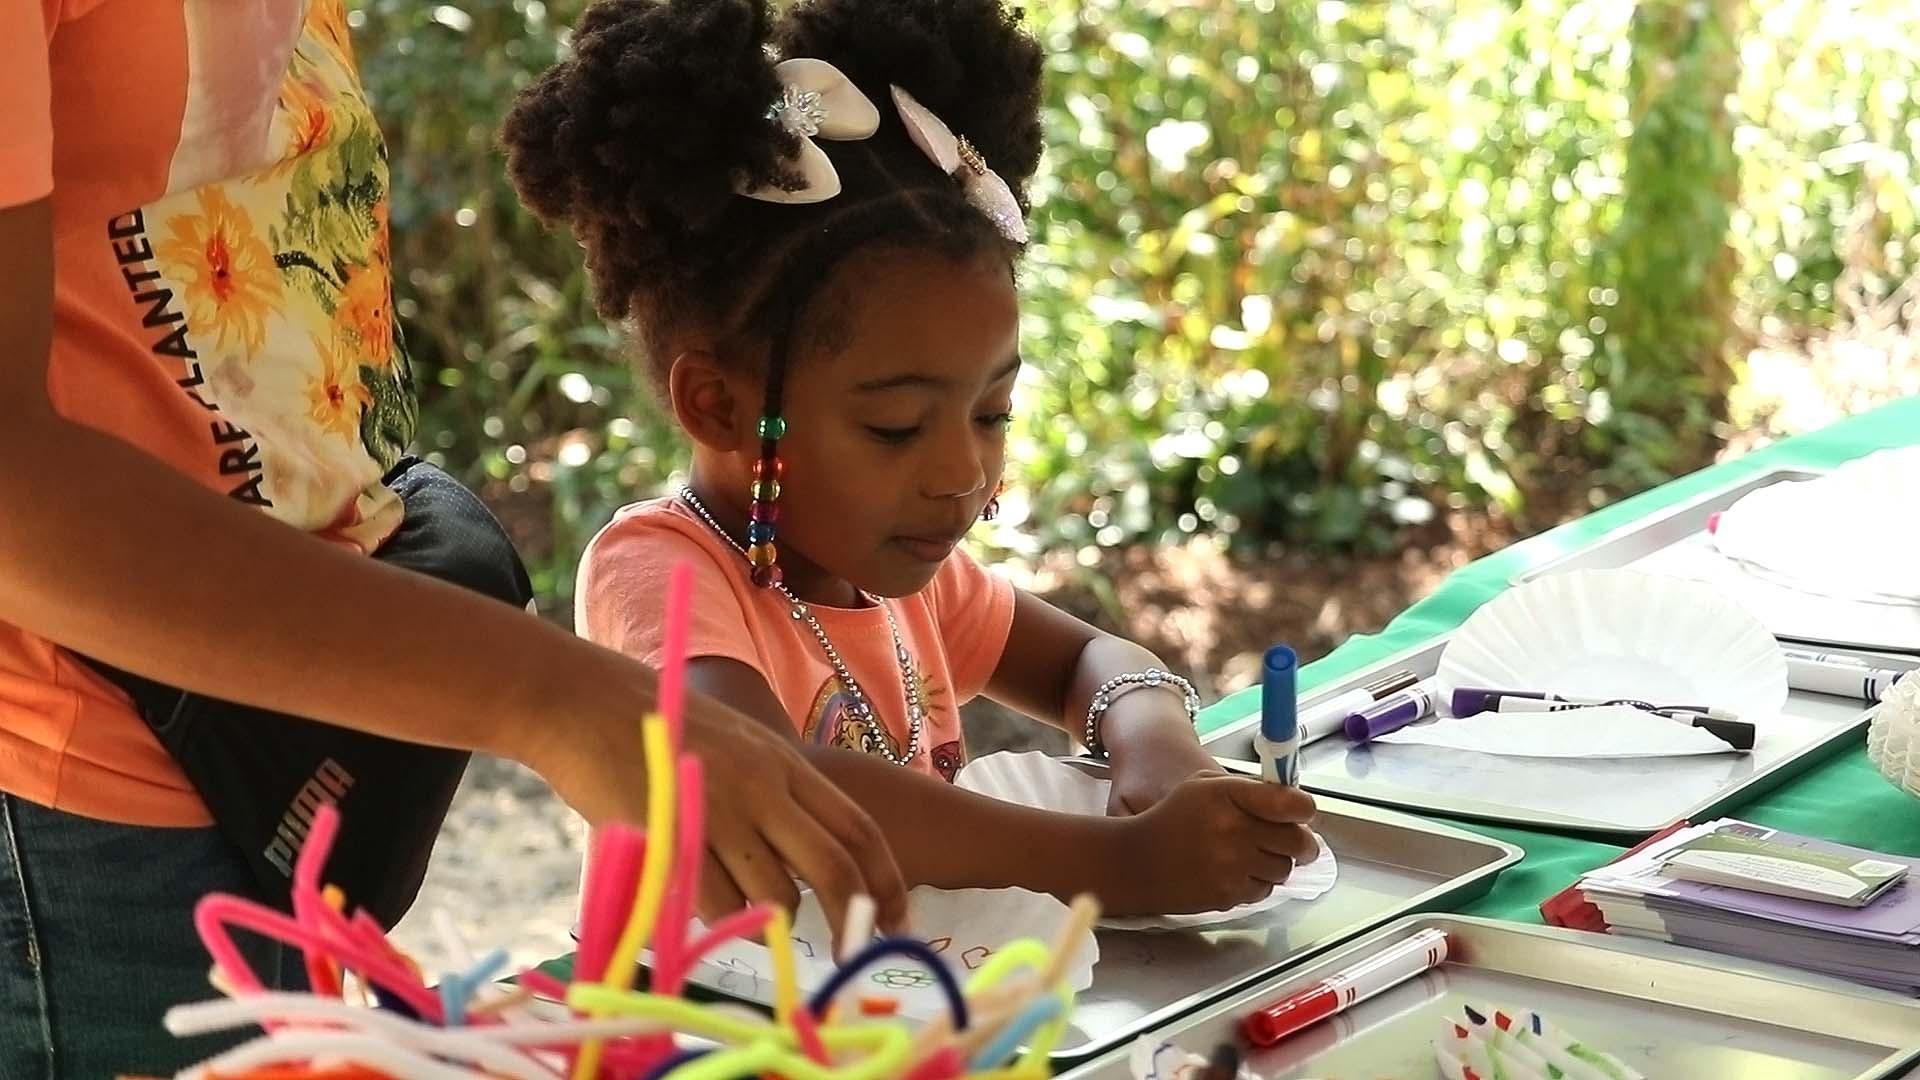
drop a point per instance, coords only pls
(1144, 775)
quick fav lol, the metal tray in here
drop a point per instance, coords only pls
(1612, 799)
(1674, 542)
(1390, 865)
(1671, 1013)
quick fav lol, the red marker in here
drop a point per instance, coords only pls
(1340, 991)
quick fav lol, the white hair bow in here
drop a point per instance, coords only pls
(958, 159)
(818, 101)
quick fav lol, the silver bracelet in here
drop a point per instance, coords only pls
(1111, 690)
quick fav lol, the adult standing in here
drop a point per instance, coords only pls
(208, 527)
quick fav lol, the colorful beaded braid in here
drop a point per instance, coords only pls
(763, 509)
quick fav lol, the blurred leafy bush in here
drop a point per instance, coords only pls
(527, 394)
(1304, 272)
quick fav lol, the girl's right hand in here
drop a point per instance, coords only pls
(1214, 842)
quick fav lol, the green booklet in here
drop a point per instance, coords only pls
(1740, 861)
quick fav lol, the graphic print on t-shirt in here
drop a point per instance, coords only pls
(831, 722)
(268, 296)
(222, 304)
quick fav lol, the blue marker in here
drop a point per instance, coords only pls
(1278, 742)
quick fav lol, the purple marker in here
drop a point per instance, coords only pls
(1391, 714)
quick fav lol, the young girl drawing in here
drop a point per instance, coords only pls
(812, 223)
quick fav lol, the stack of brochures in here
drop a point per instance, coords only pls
(1746, 890)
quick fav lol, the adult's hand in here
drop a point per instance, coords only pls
(771, 816)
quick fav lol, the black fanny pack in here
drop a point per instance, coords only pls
(263, 774)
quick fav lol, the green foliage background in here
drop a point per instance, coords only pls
(1304, 271)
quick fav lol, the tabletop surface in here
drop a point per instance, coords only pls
(1843, 800)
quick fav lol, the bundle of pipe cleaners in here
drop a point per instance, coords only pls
(639, 892)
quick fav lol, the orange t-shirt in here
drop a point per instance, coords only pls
(955, 629)
(221, 302)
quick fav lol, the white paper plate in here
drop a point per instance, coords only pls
(1789, 612)
(1155, 1057)
(962, 926)
(1893, 736)
(1851, 533)
(1621, 634)
(1046, 783)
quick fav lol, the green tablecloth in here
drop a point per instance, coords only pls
(1842, 799)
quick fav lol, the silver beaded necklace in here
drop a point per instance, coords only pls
(862, 705)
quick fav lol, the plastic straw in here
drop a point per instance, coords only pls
(360, 1049)
(213, 913)
(808, 1034)
(1003, 1044)
(613, 874)
(740, 924)
(683, 881)
(653, 870)
(858, 929)
(786, 998)
(918, 950)
(653, 873)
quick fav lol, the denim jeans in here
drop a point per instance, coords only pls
(97, 942)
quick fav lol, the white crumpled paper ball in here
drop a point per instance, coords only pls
(1893, 736)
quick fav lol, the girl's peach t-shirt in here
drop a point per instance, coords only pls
(955, 630)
